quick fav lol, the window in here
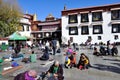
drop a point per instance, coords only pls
(115, 28)
(84, 30)
(22, 26)
(73, 30)
(115, 15)
(73, 19)
(34, 35)
(47, 34)
(97, 29)
(39, 28)
(116, 37)
(39, 35)
(84, 17)
(97, 16)
(27, 27)
(99, 38)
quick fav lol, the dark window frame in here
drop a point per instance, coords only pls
(99, 27)
(39, 27)
(116, 27)
(72, 19)
(115, 14)
(23, 29)
(41, 35)
(27, 28)
(97, 16)
(86, 29)
(72, 29)
(84, 17)
(22, 26)
(99, 37)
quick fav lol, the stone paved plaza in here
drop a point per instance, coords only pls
(103, 67)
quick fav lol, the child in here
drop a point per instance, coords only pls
(73, 61)
(70, 50)
(67, 62)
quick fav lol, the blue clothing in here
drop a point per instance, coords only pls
(54, 43)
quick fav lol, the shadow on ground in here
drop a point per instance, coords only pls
(110, 68)
(112, 60)
(118, 64)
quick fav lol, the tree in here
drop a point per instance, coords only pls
(10, 15)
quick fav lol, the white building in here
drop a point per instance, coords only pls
(25, 28)
(100, 23)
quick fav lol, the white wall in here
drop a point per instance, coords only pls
(24, 20)
(25, 32)
(4, 41)
(107, 28)
(64, 27)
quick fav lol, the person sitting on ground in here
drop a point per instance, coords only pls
(67, 62)
(95, 52)
(70, 50)
(80, 64)
(55, 72)
(114, 50)
(33, 57)
(28, 75)
(45, 56)
(73, 59)
(102, 50)
(83, 62)
(1, 60)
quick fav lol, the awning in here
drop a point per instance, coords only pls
(17, 36)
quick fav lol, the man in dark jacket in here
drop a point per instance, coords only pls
(55, 72)
(54, 45)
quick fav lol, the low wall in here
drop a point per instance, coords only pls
(4, 41)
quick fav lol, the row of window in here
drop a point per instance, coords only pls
(97, 29)
(116, 37)
(96, 16)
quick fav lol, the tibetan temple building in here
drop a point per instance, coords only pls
(47, 30)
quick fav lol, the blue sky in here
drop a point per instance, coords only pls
(43, 7)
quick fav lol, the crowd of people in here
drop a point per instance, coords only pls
(103, 50)
(55, 71)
